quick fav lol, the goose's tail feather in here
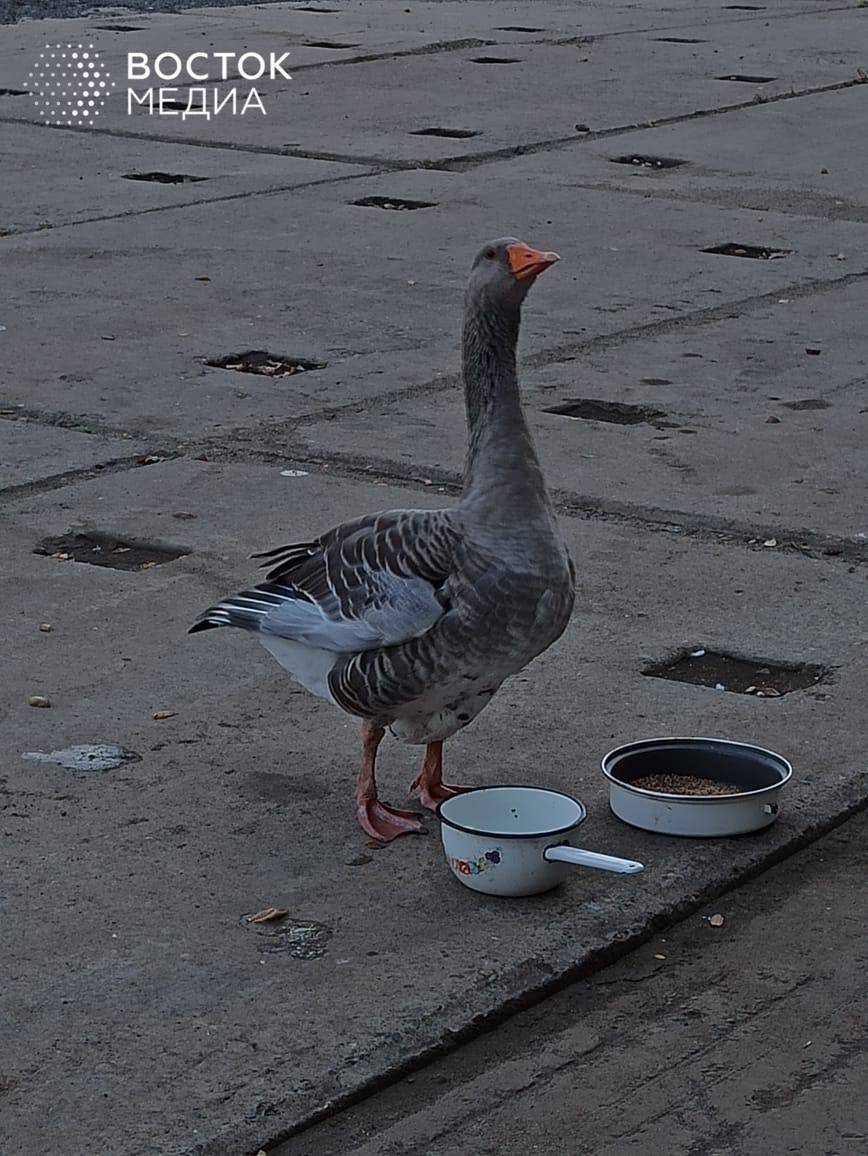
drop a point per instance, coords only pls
(247, 609)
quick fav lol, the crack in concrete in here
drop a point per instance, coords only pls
(83, 474)
(468, 161)
(788, 202)
(222, 198)
(445, 164)
(689, 527)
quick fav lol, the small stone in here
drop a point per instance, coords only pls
(716, 920)
(163, 714)
(772, 420)
(770, 543)
(39, 700)
(46, 627)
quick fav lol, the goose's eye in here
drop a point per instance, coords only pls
(490, 254)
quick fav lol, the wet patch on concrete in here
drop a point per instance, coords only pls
(87, 757)
(450, 133)
(165, 178)
(740, 78)
(808, 403)
(647, 162)
(758, 677)
(264, 363)
(394, 203)
(286, 935)
(614, 412)
(756, 252)
(98, 549)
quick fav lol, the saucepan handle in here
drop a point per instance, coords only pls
(582, 858)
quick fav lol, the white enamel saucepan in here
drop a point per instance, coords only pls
(516, 840)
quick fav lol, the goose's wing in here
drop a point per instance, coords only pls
(376, 581)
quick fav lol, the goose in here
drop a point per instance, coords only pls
(410, 620)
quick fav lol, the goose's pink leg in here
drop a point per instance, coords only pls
(429, 782)
(379, 819)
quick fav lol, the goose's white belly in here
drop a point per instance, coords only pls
(423, 726)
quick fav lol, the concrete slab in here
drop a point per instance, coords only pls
(54, 177)
(736, 412)
(376, 108)
(594, 14)
(30, 453)
(215, 1036)
(375, 294)
(776, 156)
(376, 27)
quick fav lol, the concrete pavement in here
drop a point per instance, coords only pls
(711, 481)
(743, 1038)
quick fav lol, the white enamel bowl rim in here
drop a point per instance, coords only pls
(581, 809)
(699, 742)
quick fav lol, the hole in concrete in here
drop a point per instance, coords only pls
(494, 60)
(648, 162)
(679, 40)
(327, 44)
(747, 79)
(164, 178)
(393, 203)
(452, 133)
(745, 7)
(120, 27)
(14, 92)
(309, 8)
(756, 252)
(264, 363)
(302, 939)
(615, 412)
(807, 403)
(655, 381)
(175, 105)
(739, 675)
(106, 550)
(519, 28)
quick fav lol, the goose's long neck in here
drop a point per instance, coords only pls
(502, 477)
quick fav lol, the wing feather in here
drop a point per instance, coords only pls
(376, 581)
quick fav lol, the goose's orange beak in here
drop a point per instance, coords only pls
(525, 262)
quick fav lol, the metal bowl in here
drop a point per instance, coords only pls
(760, 773)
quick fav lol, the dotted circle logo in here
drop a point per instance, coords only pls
(70, 84)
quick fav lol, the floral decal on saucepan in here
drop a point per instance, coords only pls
(477, 866)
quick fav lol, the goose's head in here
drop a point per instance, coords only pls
(505, 269)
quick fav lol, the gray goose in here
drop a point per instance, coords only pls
(412, 619)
